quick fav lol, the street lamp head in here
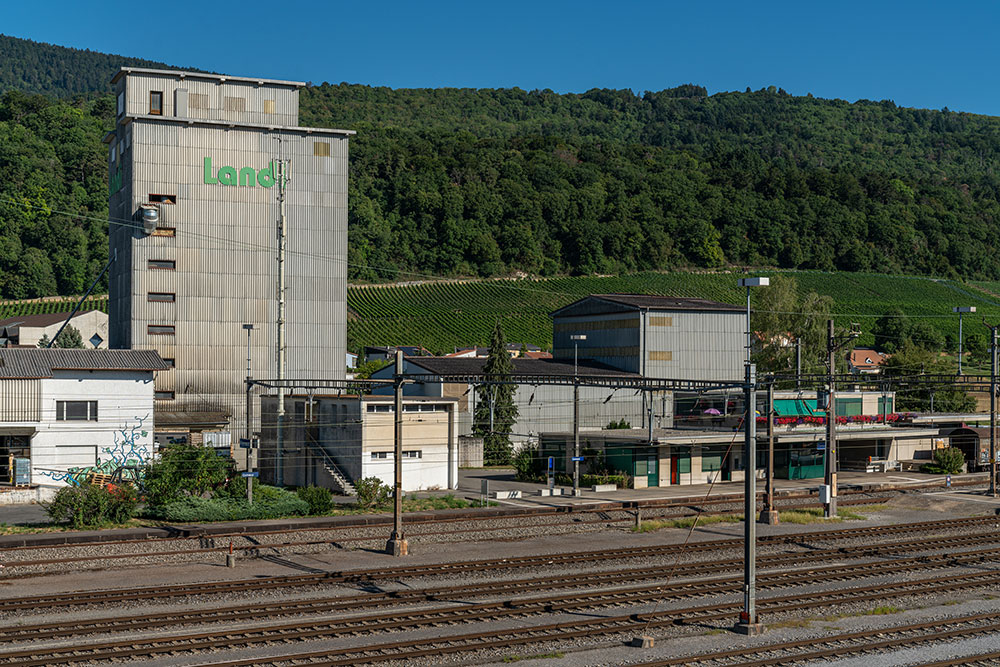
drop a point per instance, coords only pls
(755, 282)
(578, 337)
(963, 309)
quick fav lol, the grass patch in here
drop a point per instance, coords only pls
(685, 522)
(793, 623)
(537, 656)
(37, 528)
(815, 515)
(881, 611)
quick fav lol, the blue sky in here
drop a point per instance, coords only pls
(917, 53)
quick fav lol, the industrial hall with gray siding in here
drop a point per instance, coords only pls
(193, 206)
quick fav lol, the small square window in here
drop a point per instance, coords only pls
(162, 199)
(165, 231)
(121, 103)
(235, 104)
(268, 106)
(160, 329)
(321, 148)
(163, 395)
(164, 297)
(380, 455)
(168, 361)
(156, 102)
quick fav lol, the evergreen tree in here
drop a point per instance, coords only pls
(69, 338)
(496, 412)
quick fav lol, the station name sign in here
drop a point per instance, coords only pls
(245, 176)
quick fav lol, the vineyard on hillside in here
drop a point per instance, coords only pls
(442, 316)
(52, 305)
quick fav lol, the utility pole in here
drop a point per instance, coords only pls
(830, 469)
(748, 623)
(993, 408)
(576, 435)
(576, 338)
(798, 362)
(249, 415)
(279, 476)
(397, 544)
(769, 514)
(960, 310)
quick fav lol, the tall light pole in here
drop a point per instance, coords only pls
(748, 623)
(748, 283)
(576, 338)
(249, 328)
(960, 310)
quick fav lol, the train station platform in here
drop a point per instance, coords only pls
(503, 480)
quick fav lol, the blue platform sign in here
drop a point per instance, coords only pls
(552, 462)
(821, 445)
(251, 474)
(578, 458)
(244, 443)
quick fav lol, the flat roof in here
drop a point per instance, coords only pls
(208, 76)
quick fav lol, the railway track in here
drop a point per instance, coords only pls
(522, 562)
(678, 590)
(695, 506)
(854, 643)
(12, 568)
(230, 638)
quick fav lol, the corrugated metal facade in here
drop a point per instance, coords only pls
(20, 401)
(224, 244)
(677, 344)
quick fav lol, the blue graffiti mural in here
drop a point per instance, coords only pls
(126, 451)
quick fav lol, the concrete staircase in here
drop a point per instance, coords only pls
(340, 481)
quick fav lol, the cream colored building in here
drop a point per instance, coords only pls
(333, 441)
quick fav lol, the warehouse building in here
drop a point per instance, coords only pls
(197, 163)
(654, 336)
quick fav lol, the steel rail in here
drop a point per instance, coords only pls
(783, 578)
(380, 521)
(460, 567)
(12, 564)
(462, 643)
(837, 651)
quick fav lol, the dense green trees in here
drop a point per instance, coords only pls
(53, 195)
(489, 182)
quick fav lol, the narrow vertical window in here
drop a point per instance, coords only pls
(156, 102)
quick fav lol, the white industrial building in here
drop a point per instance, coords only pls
(68, 414)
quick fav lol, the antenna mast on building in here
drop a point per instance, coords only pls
(279, 177)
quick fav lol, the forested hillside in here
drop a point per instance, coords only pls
(489, 182)
(58, 71)
(486, 181)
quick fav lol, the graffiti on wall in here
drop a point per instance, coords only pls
(127, 451)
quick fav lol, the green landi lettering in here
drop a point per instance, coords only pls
(245, 176)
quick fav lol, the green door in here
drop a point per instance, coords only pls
(647, 465)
